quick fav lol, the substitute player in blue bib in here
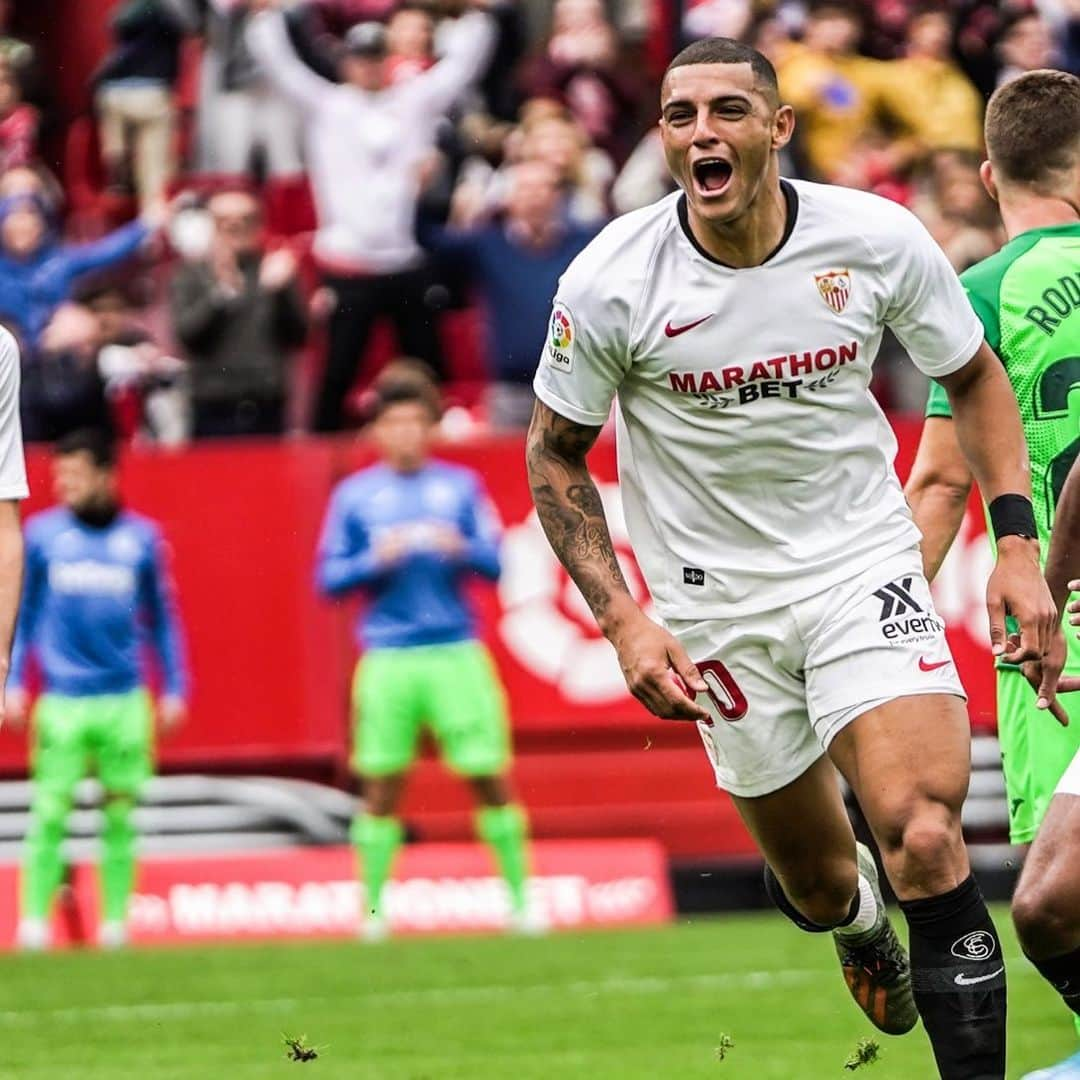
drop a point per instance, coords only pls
(409, 533)
(96, 592)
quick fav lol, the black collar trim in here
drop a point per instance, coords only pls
(791, 201)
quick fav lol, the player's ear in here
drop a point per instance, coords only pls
(783, 126)
(986, 175)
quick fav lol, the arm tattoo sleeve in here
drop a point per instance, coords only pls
(569, 506)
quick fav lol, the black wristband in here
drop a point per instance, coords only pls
(1013, 515)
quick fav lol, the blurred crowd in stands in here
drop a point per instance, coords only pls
(362, 178)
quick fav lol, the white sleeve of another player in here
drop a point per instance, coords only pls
(12, 464)
(585, 354)
(929, 311)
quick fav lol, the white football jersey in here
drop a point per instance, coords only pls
(756, 468)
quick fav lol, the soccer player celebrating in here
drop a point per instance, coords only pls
(737, 320)
(1025, 297)
(96, 592)
(409, 533)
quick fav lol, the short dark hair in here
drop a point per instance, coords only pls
(95, 290)
(1033, 127)
(722, 50)
(406, 381)
(99, 444)
(850, 9)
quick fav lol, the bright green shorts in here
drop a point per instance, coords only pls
(451, 689)
(108, 735)
(1035, 751)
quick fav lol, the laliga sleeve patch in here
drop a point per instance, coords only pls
(561, 339)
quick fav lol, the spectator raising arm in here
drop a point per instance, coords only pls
(110, 250)
(268, 39)
(470, 47)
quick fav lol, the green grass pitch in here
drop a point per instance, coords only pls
(723, 998)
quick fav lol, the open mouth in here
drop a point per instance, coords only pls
(712, 175)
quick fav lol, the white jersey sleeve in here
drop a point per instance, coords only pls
(587, 353)
(12, 464)
(928, 309)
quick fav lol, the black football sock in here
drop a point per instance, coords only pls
(1063, 974)
(958, 977)
(786, 907)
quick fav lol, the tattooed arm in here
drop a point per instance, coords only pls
(572, 515)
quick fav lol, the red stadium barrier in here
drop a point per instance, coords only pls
(272, 662)
(437, 888)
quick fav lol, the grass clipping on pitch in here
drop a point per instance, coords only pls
(866, 1052)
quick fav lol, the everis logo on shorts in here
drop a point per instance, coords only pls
(560, 346)
(903, 619)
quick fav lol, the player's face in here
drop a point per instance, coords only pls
(79, 483)
(403, 434)
(719, 132)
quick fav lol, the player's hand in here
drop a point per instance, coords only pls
(226, 271)
(172, 712)
(1074, 605)
(277, 270)
(390, 547)
(653, 663)
(1018, 588)
(446, 540)
(16, 709)
(322, 303)
(1045, 678)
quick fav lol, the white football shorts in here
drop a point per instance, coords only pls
(783, 683)
(1069, 784)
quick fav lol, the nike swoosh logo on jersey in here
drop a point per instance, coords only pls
(924, 666)
(971, 980)
(675, 331)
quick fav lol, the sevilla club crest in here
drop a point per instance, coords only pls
(835, 288)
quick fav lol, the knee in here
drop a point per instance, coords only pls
(923, 843)
(824, 897)
(491, 790)
(380, 804)
(1045, 918)
(117, 812)
(48, 815)
(381, 796)
(929, 839)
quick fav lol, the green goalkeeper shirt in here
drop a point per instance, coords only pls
(1027, 296)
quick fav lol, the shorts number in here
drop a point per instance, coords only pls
(725, 692)
(1052, 403)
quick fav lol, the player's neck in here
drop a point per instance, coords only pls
(409, 467)
(750, 239)
(1021, 215)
